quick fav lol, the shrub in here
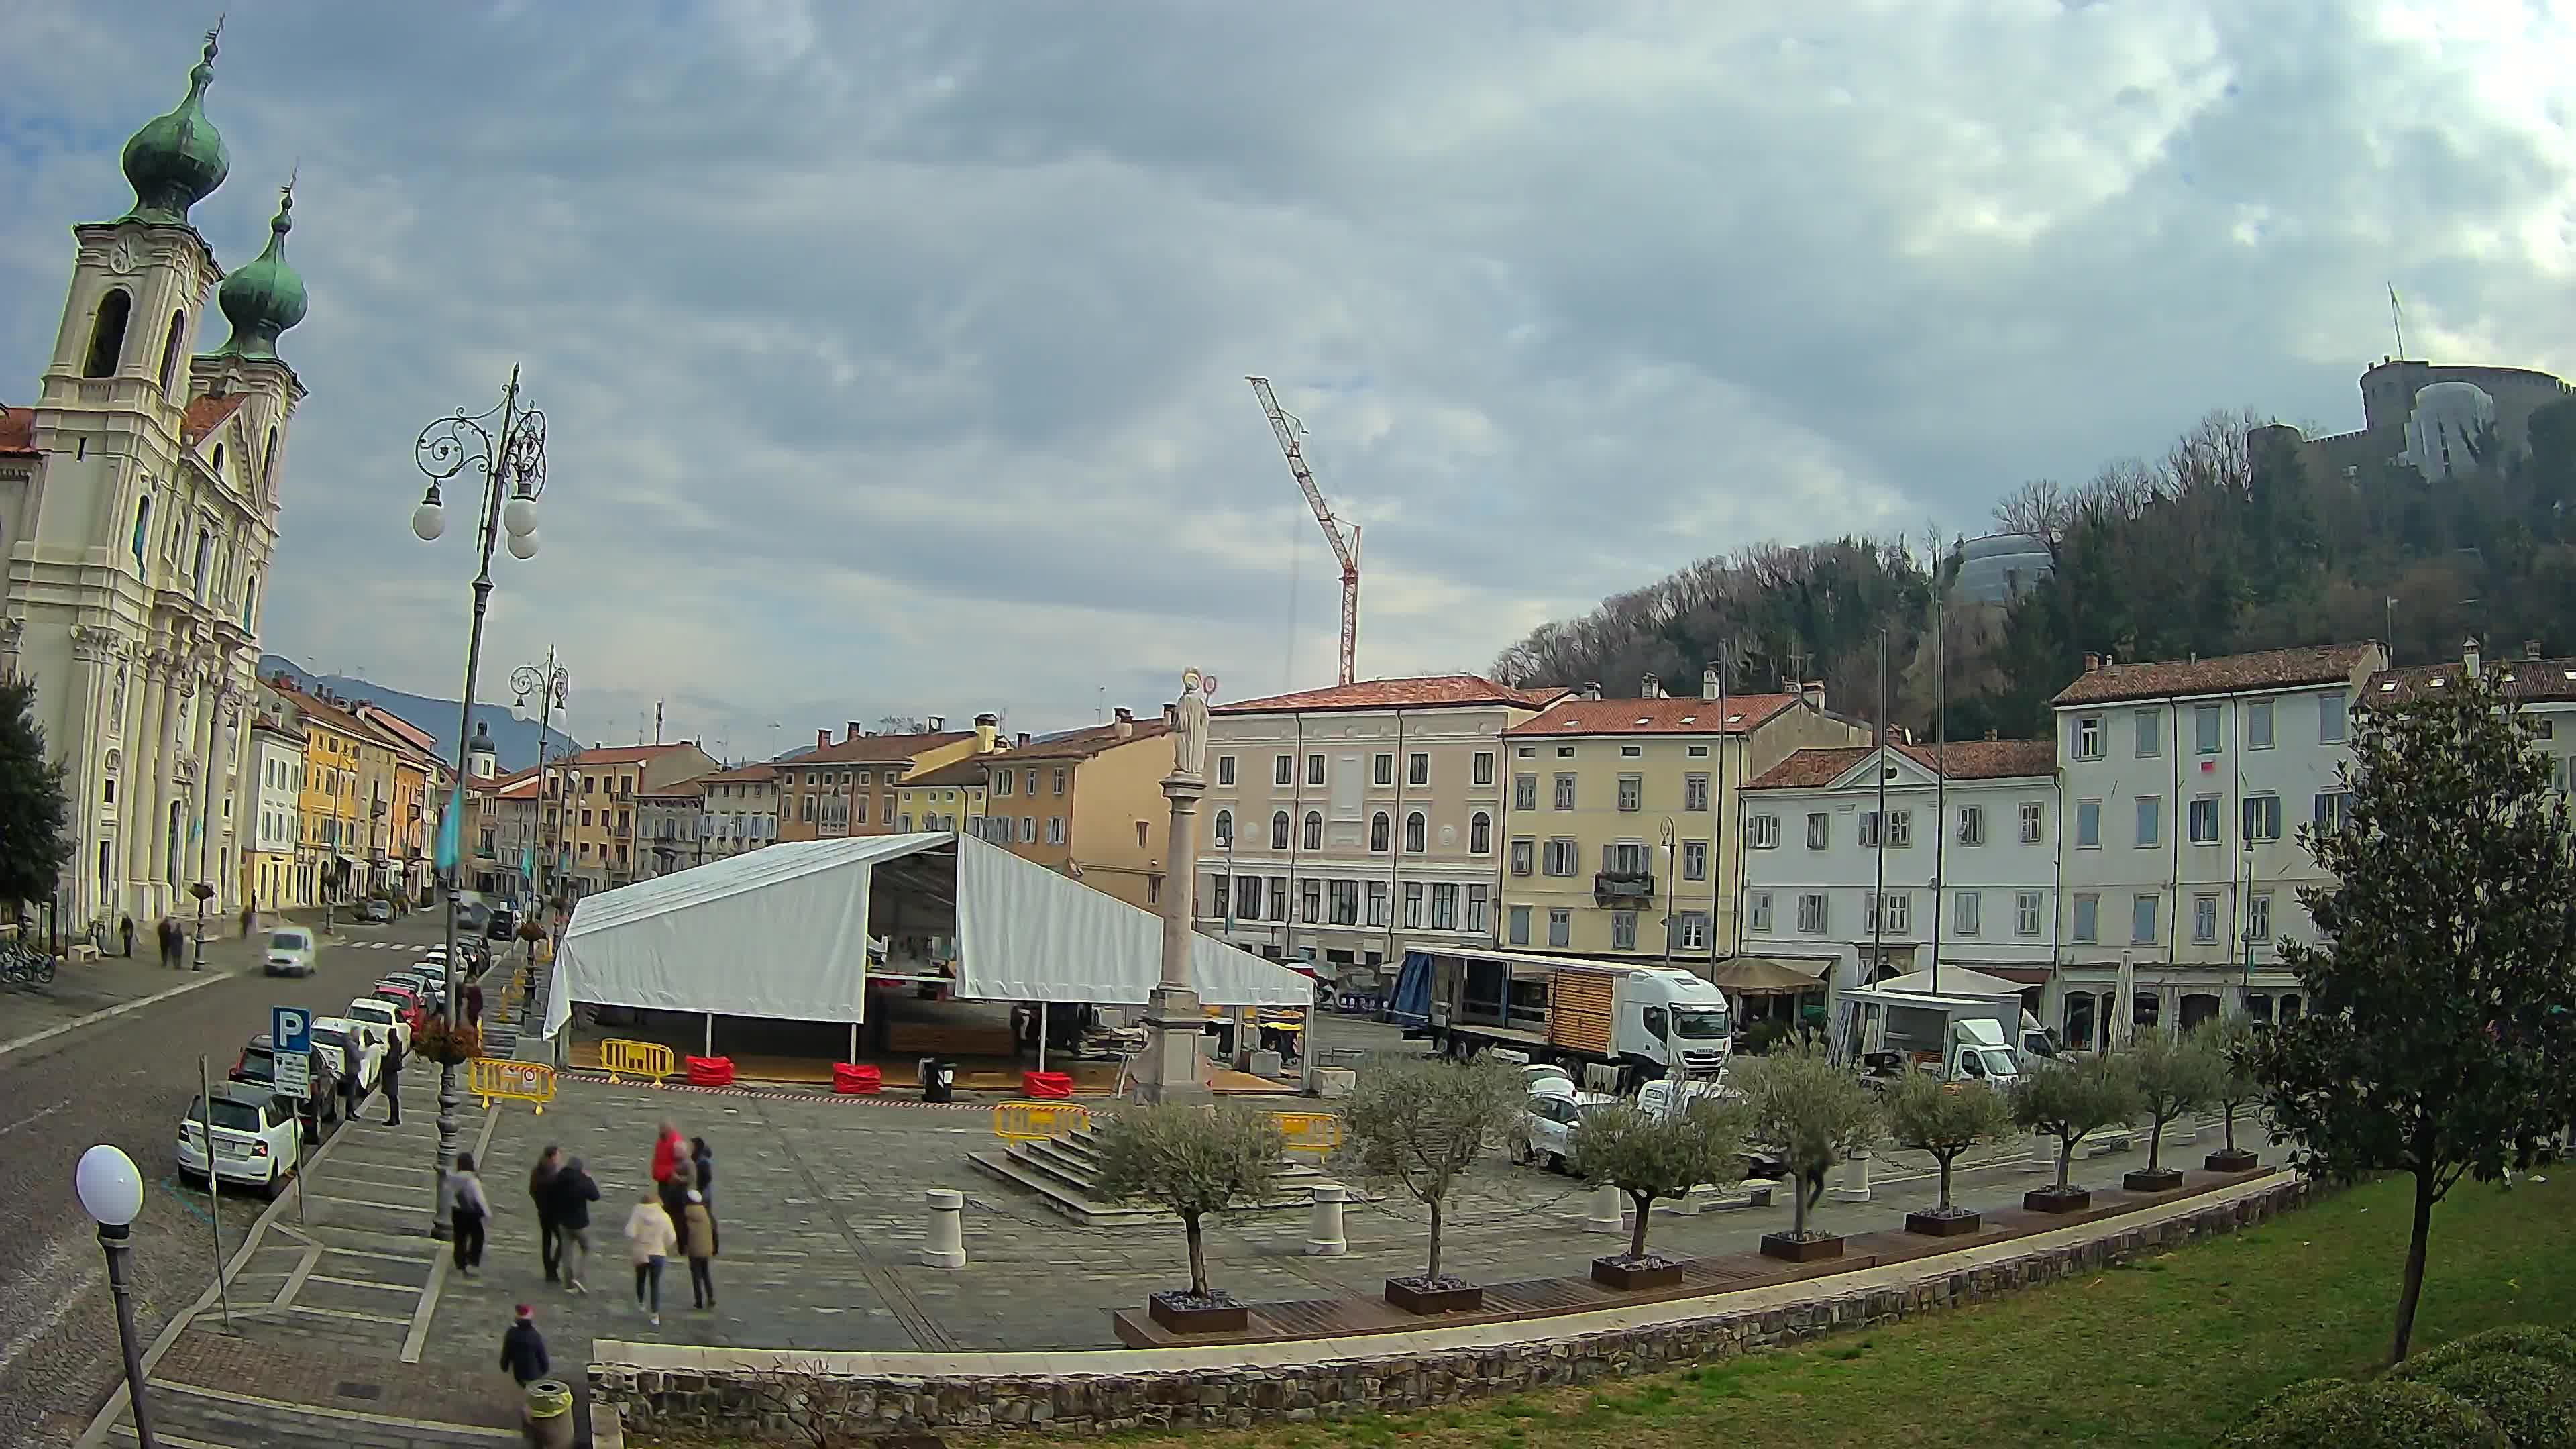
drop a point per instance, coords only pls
(2527, 1340)
(1193, 1161)
(2381, 1414)
(2532, 1400)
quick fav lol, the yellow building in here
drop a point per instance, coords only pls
(1087, 804)
(331, 848)
(1619, 819)
(943, 797)
(411, 814)
(852, 787)
(599, 814)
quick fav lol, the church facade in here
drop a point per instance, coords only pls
(138, 516)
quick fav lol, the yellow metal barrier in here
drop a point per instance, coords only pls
(1037, 1121)
(489, 1077)
(1316, 1132)
(649, 1060)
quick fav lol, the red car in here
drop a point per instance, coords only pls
(403, 1000)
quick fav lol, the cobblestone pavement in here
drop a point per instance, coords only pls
(126, 1080)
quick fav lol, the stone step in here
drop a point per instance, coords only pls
(1077, 1196)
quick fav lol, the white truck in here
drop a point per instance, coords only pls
(1884, 1032)
(1633, 1023)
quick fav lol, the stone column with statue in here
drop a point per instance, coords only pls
(1174, 1068)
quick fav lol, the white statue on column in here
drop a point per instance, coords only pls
(1173, 1068)
(1190, 729)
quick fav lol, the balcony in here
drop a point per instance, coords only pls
(1623, 887)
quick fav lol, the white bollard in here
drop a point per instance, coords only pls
(1324, 1237)
(1608, 1212)
(947, 1245)
(1854, 1186)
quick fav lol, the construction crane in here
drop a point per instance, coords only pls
(1346, 546)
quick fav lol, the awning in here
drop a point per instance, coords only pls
(1766, 976)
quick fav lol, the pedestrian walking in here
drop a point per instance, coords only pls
(250, 918)
(169, 929)
(541, 1191)
(671, 1172)
(649, 1241)
(392, 1079)
(474, 1003)
(523, 1349)
(466, 1210)
(571, 1194)
(702, 1166)
(125, 928)
(698, 1241)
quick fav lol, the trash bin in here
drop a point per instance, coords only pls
(547, 1414)
(937, 1079)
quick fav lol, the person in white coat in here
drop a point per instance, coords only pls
(649, 1240)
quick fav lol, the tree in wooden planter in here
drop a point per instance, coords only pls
(1417, 1125)
(1945, 1119)
(1809, 1113)
(2229, 1041)
(2172, 1075)
(2070, 1101)
(1192, 1161)
(1652, 1155)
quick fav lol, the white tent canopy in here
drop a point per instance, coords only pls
(783, 932)
(1955, 981)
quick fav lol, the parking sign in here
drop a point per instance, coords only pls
(290, 1029)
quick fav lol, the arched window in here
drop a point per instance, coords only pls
(219, 460)
(142, 530)
(1279, 830)
(1314, 830)
(1413, 832)
(250, 603)
(1224, 829)
(268, 463)
(1480, 833)
(1377, 831)
(205, 555)
(107, 334)
(170, 358)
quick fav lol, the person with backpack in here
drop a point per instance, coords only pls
(541, 1179)
(571, 1194)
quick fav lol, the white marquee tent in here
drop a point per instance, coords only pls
(783, 932)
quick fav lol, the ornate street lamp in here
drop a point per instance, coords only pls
(111, 1192)
(553, 684)
(506, 448)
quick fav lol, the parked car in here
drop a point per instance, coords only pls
(405, 1002)
(1548, 1122)
(428, 983)
(290, 951)
(376, 909)
(348, 1049)
(505, 923)
(378, 1014)
(256, 1137)
(257, 1066)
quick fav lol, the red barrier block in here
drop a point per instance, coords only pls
(710, 1071)
(851, 1079)
(1044, 1085)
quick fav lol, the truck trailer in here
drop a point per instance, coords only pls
(1883, 1032)
(1635, 1021)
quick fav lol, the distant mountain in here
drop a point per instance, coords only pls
(515, 740)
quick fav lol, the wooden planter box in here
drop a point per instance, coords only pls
(2052, 1200)
(1414, 1296)
(1182, 1313)
(1943, 1225)
(2231, 1160)
(2163, 1179)
(1630, 1277)
(1800, 1250)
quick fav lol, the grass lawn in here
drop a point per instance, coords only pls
(2160, 1353)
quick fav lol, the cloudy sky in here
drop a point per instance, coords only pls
(894, 352)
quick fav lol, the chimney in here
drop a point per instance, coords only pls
(1022, 739)
(1813, 692)
(2531, 649)
(1126, 724)
(1651, 688)
(2469, 656)
(822, 739)
(1709, 685)
(1592, 689)
(849, 729)
(2092, 663)
(988, 727)
(935, 724)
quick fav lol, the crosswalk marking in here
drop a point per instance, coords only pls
(390, 946)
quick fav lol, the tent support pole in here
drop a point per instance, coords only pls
(1042, 1034)
(854, 1041)
(711, 1033)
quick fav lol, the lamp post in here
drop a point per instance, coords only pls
(506, 446)
(111, 1192)
(552, 683)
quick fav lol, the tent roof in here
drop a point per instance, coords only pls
(783, 932)
(1764, 975)
(1955, 981)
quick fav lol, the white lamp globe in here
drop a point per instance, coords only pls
(428, 521)
(111, 1191)
(519, 515)
(523, 545)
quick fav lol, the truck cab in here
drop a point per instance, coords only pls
(1885, 1032)
(1605, 1019)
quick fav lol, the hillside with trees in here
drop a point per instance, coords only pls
(2219, 545)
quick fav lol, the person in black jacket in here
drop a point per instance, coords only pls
(523, 1349)
(391, 1082)
(571, 1193)
(702, 1165)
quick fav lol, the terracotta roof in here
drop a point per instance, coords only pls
(2528, 680)
(206, 414)
(695, 787)
(973, 770)
(1739, 712)
(1427, 692)
(1085, 743)
(499, 783)
(763, 772)
(623, 754)
(2270, 669)
(323, 711)
(1964, 759)
(18, 431)
(876, 749)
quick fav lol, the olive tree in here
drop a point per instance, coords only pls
(1191, 1160)
(1650, 1155)
(2071, 1100)
(2228, 1041)
(1945, 1119)
(1417, 1124)
(1808, 1111)
(2171, 1076)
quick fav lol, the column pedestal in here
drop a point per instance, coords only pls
(1173, 1068)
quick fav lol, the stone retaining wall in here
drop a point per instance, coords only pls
(757, 1391)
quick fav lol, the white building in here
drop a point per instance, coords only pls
(276, 765)
(1964, 873)
(741, 810)
(138, 511)
(2185, 783)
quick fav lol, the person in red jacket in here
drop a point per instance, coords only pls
(671, 1172)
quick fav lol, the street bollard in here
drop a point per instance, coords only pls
(1324, 1237)
(947, 1245)
(1854, 1186)
(1608, 1212)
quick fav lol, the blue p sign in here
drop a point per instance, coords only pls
(291, 1028)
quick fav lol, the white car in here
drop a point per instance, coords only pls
(1548, 1122)
(290, 951)
(256, 1136)
(380, 1019)
(337, 1037)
